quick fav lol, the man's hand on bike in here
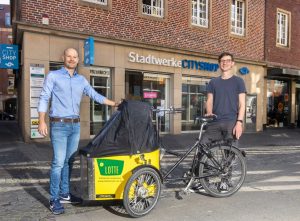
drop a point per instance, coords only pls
(238, 130)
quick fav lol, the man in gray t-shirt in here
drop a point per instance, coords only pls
(226, 99)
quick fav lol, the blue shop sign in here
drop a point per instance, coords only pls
(89, 51)
(244, 70)
(199, 65)
(9, 56)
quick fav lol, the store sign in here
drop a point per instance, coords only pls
(150, 94)
(199, 65)
(151, 59)
(9, 58)
(244, 70)
(89, 51)
(172, 62)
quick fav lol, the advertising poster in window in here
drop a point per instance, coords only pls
(37, 76)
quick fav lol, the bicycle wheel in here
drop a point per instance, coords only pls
(223, 171)
(142, 192)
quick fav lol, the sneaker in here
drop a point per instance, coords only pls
(197, 187)
(223, 187)
(69, 198)
(55, 207)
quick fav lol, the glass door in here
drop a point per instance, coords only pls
(152, 88)
(278, 103)
(99, 114)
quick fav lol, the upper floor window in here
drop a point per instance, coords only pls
(101, 2)
(282, 28)
(200, 13)
(7, 20)
(153, 7)
(238, 17)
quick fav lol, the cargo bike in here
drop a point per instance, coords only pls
(122, 162)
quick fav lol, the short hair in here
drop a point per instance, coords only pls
(225, 54)
(67, 49)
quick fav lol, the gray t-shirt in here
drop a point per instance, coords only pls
(226, 96)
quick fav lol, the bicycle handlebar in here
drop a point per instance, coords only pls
(170, 109)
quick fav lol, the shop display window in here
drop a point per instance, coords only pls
(193, 100)
(100, 79)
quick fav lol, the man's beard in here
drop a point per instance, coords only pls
(71, 66)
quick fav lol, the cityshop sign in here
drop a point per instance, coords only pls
(172, 62)
(9, 58)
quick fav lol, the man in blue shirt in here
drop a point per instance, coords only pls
(226, 96)
(65, 87)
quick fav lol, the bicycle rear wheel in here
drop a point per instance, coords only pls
(223, 171)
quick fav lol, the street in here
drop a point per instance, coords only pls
(270, 192)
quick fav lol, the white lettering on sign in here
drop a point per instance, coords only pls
(9, 54)
(151, 59)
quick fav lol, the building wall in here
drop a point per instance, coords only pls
(5, 38)
(43, 48)
(279, 56)
(124, 21)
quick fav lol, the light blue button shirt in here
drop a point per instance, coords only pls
(66, 93)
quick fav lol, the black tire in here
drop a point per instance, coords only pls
(229, 178)
(142, 192)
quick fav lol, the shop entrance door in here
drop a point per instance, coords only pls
(278, 103)
(100, 80)
(152, 88)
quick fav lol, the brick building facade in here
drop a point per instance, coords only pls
(7, 90)
(158, 55)
(282, 55)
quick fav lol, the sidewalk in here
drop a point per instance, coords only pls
(24, 169)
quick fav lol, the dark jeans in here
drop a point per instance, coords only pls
(218, 131)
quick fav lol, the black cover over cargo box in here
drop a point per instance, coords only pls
(129, 131)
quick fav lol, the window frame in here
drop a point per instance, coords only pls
(287, 29)
(235, 15)
(207, 17)
(151, 16)
(92, 3)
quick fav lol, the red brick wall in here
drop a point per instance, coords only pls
(284, 57)
(123, 22)
(4, 33)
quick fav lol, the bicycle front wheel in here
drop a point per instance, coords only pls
(142, 192)
(222, 170)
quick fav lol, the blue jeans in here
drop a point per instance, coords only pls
(64, 138)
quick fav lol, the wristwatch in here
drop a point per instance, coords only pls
(241, 121)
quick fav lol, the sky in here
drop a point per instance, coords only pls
(6, 2)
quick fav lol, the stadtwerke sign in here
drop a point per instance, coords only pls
(172, 62)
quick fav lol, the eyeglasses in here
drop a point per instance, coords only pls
(226, 61)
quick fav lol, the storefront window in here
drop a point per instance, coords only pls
(152, 88)
(251, 109)
(193, 100)
(100, 79)
(278, 107)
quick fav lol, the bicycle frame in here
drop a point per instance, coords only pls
(198, 146)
